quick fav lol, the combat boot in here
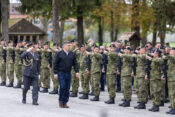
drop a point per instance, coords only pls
(110, 101)
(96, 98)
(140, 106)
(162, 103)
(10, 85)
(45, 90)
(81, 92)
(54, 92)
(91, 94)
(125, 104)
(3, 84)
(73, 95)
(17, 86)
(171, 112)
(155, 108)
(35, 103)
(84, 96)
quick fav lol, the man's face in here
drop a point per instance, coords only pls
(112, 49)
(142, 51)
(46, 46)
(11, 44)
(167, 49)
(96, 50)
(156, 54)
(101, 50)
(74, 44)
(149, 46)
(83, 49)
(67, 47)
(172, 52)
(2, 42)
(24, 43)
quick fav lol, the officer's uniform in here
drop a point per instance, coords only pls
(3, 65)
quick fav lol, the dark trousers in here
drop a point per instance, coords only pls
(118, 82)
(102, 81)
(166, 89)
(64, 81)
(28, 81)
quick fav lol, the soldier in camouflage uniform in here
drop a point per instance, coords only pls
(75, 81)
(155, 79)
(126, 79)
(3, 63)
(171, 79)
(55, 82)
(141, 82)
(46, 61)
(85, 68)
(10, 63)
(96, 59)
(18, 65)
(111, 74)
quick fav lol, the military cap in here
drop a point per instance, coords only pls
(29, 44)
(173, 49)
(117, 41)
(112, 45)
(55, 44)
(128, 48)
(73, 40)
(46, 43)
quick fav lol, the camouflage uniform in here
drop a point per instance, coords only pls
(126, 76)
(55, 82)
(45, 68)
(18, 65)
(3, 64)
(10, 64)
(75, 81)
(84, 77)
(141, 83)
(171, 80)
(155, 80)
(111, 73)
(96, 59)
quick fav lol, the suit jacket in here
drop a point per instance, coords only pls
(32, 64)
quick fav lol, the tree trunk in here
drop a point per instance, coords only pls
(154, 34)
(61, 32)
(45, 26)
(55, 5)
(5, 17)
(112, 26)
(100, 31)
(80, 28)
(116, 34)
(135, 13)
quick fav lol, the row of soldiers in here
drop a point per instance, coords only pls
(150, 67)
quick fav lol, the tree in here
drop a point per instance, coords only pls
(5, 17)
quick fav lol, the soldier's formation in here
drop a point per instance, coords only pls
(151, 70)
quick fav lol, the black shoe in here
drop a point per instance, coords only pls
(124, 100)
(171, 112)
(45, 90)
(35, 103)
(24, 101)
(110, 101)
(140, 106)
(162, 103)
(10, 85)
(96, 98)
(166, 100)
(73, 95)
(54, 92)
(2, 84)
(91, 94)
(17, 86)
(125, 104)
(84, 96)
(81, 92)
(154, 108)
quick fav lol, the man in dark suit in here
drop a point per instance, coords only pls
(31, 72)
(64, 60)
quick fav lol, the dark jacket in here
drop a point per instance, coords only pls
(32, 64)
(63, 62)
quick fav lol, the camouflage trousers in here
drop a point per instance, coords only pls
(163, 90)
(18, 69)
(45, 78)
(91, 83)
(3, 72)
(126, 87)
(171, 87)
(96, 83)
(111, 84)
(142, 89)
(74, 82)
(55, 82)
(85, 82)
(10, 72)
(155, 89)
